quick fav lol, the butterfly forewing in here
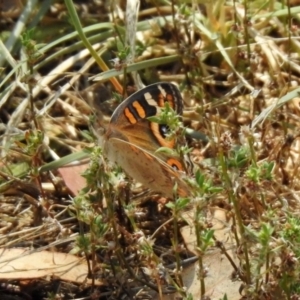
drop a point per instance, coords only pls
(132, 139)
(147, 103)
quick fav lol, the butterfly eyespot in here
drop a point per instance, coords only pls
(160, 132)
(175, 164)
(163, 130)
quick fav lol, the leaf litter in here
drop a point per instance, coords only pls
(223, 96)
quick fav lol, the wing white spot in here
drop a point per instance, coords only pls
(150, 100)
(163, 91)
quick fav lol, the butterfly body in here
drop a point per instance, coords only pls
(131, 139)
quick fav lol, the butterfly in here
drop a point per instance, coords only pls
(131, 140)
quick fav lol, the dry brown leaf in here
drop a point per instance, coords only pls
(20, 263)
(218, 281)
(72, 177)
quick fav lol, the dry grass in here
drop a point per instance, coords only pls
(237, 66)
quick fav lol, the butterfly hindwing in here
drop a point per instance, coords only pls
(147, 168)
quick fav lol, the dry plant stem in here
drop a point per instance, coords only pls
(262, 198)
(100, 62)
(118, 251)
(159, 288)
(31, 101)
(252, 150)
(247, 39)
(175, 245)
(123, 42)
(27, 235)
(267, 267)
(19, 27)
(177, 41)
(81, 232)
(254, 162)
(160, 227)
(256, 287)
(93, 262)
(220, 245)
(28, 191)
(117, 30)
(200, 260)
(233, 200)
(36, 161)
(246, 34)
(289, 46)
(90, 273)
(256, 205)
(235, 13)
(124, 82)
(36, 165)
